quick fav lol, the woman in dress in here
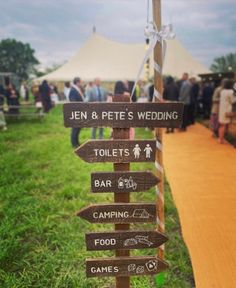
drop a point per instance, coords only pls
(227, 99)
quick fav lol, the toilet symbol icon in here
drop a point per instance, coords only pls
(136, 151)
(148, 150)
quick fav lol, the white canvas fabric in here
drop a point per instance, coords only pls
(112, 61)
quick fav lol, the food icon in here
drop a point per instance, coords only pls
(130, 242)
(138, 239)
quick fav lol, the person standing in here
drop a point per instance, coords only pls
(122, 88)
(66, 90)
(207, 93)
(45, 92)
(12, 99)
(96, 94)
(76, 95)
(193, 100)
(227, 99)
(3, 124)
(170, 93)
(214, 119)
(185, 97)
(182, 80)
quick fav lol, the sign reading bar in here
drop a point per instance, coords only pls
(123, 115)
(124, 181)
(124, 266)
(124, 240)
(119, 213)
(117, 151)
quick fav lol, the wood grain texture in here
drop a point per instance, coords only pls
(119, 213)
(124, 266)
(120, 182)
(124, 240)
(122, 133)
(117, 151)
(158, 85)
(123, 115)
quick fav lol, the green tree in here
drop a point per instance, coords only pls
(47, 70)
(17, 57)
(225, 63)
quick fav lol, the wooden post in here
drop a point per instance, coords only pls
(158, 85)
(121, 282)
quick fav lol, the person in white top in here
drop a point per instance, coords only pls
(227, 99)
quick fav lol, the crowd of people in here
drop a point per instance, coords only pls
(200, 99)
(45, 98)
(203, 100)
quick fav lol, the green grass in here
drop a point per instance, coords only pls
(42, 185)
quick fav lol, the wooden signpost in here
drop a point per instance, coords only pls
(123, 115)
(124, 267)
(119, 213)
(120, 182)
(124, 240)
(117, 151)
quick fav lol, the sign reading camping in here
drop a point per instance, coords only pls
(117, 151)
(119, 213)
(125, 266)
(120, 182)
(123, 115)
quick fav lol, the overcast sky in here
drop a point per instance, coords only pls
(57, 28)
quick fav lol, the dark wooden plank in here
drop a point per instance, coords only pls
(120, 182)
(123, 115)
(124, 266)
(124, 240)
(119, 213)
(121, 133)
(117, 151)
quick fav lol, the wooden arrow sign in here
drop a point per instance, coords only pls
(124, 240)
(123, 115)
(120, 182)
(117, 151)
(124, 266)
(119, 213)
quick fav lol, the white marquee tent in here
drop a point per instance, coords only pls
(112, 61)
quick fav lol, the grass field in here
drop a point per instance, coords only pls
(42, 185)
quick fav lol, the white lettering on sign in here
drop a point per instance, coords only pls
(111, 152)
(105, 269)
(153, 115)
(102, 183)
(110, 214)
(113, 115)
(105, 242)
(78, 115)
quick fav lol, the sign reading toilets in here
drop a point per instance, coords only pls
(117, 151)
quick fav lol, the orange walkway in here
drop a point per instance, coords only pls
(202, 176)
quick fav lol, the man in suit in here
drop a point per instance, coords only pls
(96, 94)
(76, 95)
